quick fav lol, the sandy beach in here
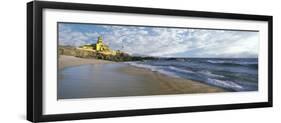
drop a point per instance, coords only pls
(70, 61)
(89, 78)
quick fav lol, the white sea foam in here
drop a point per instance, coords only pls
(168, 73)
(232, 62)
(215, 62)
(208, 73)
(180, 70)
(225, 84)
(154, 69)
(211, 81)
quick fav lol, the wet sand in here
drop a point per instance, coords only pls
(90, 78)
(170, 85)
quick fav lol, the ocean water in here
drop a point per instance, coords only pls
(237, 74)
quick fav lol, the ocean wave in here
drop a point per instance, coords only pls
(168, 73)
(225, 84)
(180, 70)
(154, 69)
(150, 67)
(199, 75)
(208, 73)
(232, 62)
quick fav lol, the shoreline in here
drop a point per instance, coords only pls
(124, 80)
(175, 85)
(71, 61)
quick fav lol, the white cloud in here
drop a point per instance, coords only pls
(67, 36)
(168, 42)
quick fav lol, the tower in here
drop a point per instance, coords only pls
(99, 40)
(99, 46)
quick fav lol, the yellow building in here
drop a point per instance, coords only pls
(99, 47)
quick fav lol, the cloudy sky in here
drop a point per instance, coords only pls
(164, 42)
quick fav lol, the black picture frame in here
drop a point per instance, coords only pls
(35, 69)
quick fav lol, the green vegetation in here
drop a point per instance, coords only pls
(119, 57)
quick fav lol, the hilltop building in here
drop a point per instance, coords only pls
(99, 47)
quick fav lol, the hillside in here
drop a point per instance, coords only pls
(119, 57)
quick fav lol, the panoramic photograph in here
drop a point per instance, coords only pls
(106, 60)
